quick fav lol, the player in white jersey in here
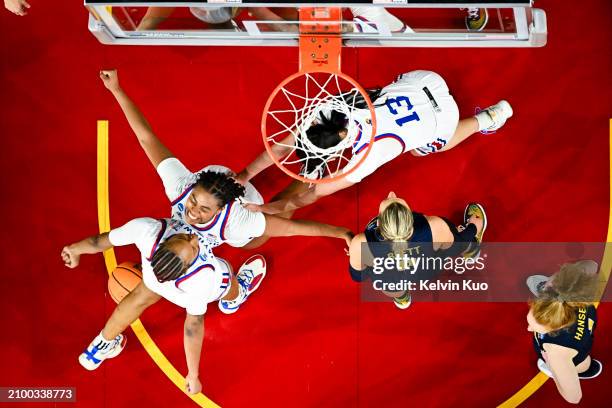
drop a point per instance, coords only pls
(415, 114)
(176, 265)
(210, 201)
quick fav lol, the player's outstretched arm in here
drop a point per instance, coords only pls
(153, 147)
(263, 161)
(559, 360)
(71, 254)
(303, 199)
(192, 340)
(282, 227)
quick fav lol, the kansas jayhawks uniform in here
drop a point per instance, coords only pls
(234, 224)
(416, 112)
(206, 280)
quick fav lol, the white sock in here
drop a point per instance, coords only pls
(101, 343)
(484, 120)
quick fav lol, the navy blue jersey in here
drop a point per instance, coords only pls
(419, 245)
(578, 336)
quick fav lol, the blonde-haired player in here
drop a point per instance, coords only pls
(397, 230)
(563, 320)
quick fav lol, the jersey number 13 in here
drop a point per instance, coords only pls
(396, 104)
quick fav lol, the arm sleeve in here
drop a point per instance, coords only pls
(175, 176)
(141, 232)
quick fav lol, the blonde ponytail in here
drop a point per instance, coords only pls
(552, 313)
(396, 224)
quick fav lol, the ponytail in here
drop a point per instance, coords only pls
(571, 288)
(396, 224)
(552, 313)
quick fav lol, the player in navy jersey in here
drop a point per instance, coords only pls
(563, 320)
(398, 230)
(211, 201)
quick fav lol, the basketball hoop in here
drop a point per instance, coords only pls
(318, 89)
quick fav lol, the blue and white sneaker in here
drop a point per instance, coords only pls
(249, 277)
(99, 350)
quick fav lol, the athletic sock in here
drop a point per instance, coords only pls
(101, 343)
(484, 120)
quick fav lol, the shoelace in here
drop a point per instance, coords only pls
(245, 281)
(477, 110)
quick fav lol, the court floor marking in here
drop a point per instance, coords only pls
(606, 265)
(172, 373)
(111, 263)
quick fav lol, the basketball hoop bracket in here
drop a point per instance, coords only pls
(320, 39)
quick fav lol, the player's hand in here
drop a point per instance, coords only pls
(110, 79)
(192, 384)
(347, 235)
(70, 257)
(18, 7)
(242, 177)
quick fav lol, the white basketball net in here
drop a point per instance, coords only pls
(300, 111)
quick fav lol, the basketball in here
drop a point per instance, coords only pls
(123, 280)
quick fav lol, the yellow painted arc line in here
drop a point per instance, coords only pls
(111, 262)
(604, 270)
(109, 257)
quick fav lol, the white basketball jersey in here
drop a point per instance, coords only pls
(204, 281)
(212, 233)
(405, 113)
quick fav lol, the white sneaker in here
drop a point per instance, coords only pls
(99, 350)
(536, 283)
(544, 368)
(494, 117)
(369, 19)
(249, 277)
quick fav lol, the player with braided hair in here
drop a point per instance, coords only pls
(211, 200)
(176, 265)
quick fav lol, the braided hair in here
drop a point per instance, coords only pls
(167, 265)
(221, 185)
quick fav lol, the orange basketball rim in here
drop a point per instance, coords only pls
(318, 87)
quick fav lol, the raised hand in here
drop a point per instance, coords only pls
(110, 79)
(18, 7)
(70, 257)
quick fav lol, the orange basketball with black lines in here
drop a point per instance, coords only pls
(123, 280)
